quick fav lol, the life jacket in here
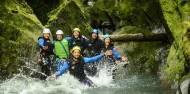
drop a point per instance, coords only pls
(94, 47)
(47, 42)
(76, 68)
(61, 49)
(78, 42)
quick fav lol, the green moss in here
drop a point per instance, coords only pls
(185, 77)
(175, 64)
(144, 55)
(19, 29)
(176, 13)
(131, 12)
(66, 17)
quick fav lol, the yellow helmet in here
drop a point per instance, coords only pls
(76, 48)
(76, 29)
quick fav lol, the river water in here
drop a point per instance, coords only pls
(128, 81)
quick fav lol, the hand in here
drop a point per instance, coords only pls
(53, 76)
(124, 58)
(45, 47)
(39, 60)
(109, 52)
(84, 37)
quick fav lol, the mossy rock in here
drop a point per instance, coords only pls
(174, 68)
(68, 16)
(144, 14)
(176, 15)
(19, 29)
(145, 55)
(41, 8)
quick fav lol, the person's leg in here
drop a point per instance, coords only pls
(43, 73)
(45, 68)
(87, 82)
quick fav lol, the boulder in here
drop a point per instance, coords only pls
(67, 16)
(19, 29)
(176, 19)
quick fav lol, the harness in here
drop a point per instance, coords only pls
(76, 68)
(78, 42)
(109, 58)
(94, 47)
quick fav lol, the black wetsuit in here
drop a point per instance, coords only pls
(76, 69)
(45, 64)
(94, 47)
(78, 42)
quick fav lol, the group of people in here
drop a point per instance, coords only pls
(76, 54)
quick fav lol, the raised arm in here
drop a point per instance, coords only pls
(116, 54)
(93, 59)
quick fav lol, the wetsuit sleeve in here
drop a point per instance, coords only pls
(63, 69)
(93, 59)
(69, 40)
(116, 54)
(41, 42)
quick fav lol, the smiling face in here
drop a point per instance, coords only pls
(94, 35)
(46, 35)
(76, 34)
(59, 36)
(107, 41)
(76, 54)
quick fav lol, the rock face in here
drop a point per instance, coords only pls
(176, 15)
(41, 8)
(67, 16)
(184, 87)
(146, 56)
(19, 28)
(119, 13)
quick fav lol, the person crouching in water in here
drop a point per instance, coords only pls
(94, 47)
(46, 53)
(61, 48)
(113, 54)
(75, 65)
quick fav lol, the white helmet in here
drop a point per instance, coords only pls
(59, 32)
(46, 30)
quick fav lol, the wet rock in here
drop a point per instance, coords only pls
(146, 56)
(19, 29)
(184, 87)
(176, 13)
(119, 13)
(66, 17)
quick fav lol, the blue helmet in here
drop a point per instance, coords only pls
(94, 31)
(106, 36)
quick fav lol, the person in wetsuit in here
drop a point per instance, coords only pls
(46, 53)
(61, 48)
(75, 65)
(94, 47)
(77, 40)
(110, 58)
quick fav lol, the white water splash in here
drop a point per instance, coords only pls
(66, 84)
